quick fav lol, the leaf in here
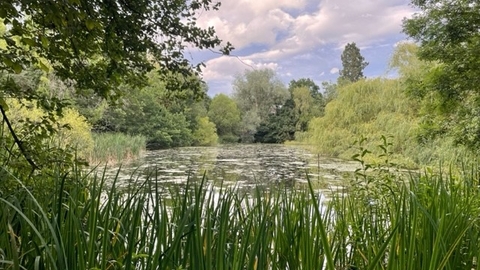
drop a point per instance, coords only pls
(44, 41)
(3, 104)
(90, 24)
(28, 41)
(43, 66)
(15, 66)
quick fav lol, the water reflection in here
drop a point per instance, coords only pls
(242, 165)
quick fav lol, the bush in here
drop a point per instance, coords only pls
(72, 132)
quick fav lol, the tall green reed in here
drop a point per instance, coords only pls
(426, 220)
(114, 148)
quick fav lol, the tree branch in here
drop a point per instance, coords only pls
(17, 140)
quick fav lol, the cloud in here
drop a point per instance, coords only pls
(334, 70)
(221, 71)
(302, 37)
(245, 22)
(227, 67)
(269, 22)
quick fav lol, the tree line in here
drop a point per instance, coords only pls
(105, 61)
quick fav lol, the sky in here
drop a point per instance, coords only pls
(300, 38)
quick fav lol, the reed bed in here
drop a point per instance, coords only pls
(423, 221)
(114, 148)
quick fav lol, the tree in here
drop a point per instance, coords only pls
(249, 126)
(147, 112)
(447, 32)
(313, 88)
(223, 111)
(353, 63)
(306, 107)
(205, 134)
(330, 91)
(370, 108)
(278, 127)
(258, 94)
(100, 46)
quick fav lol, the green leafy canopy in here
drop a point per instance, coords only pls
(101, 44)
(449, 38)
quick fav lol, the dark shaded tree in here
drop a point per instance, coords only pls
(278, 127)
(353, 64)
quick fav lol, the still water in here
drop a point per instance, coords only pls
(240, 165)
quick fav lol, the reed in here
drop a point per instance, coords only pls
(426, 220)
(114, 148)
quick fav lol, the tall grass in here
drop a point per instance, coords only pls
(114, 148)
(423, 221)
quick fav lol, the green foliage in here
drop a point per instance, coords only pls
(3, 29)
(279, 126)
(165, 119)
(206, 133)
(382, 221)
(353, 64)
(76, 134)
(312, 87)
(104, 44)
(100, 48)
(195, 109)
(370, 108)
(449, 39)
(115, 148)
(306, 107)
(260, 91)
(330, 90)
(37, 151)
(72, 130)
(249, 125)
(223, 111)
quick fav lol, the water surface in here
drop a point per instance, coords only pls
(241, 165)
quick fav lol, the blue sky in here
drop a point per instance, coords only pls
(300, 38)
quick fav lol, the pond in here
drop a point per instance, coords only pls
(241, 165)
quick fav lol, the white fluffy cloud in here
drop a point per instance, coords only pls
(269, 22)
(220, 72)
(227, 67)
(245, 22)
(270, 33)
